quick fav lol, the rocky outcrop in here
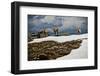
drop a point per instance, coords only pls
(48, 50)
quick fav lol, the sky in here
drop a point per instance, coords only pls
(65, 23)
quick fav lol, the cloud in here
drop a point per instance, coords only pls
(48, 19)
(38, 22)
(70, 21)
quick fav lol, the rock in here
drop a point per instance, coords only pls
(48, 50)
(43, 57)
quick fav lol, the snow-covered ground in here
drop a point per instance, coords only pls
(60, 38)
(81, 52)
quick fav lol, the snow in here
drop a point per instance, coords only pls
(60, 38)
(81, 52)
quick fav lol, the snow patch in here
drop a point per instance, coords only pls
(60, 38)
(81, 52)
